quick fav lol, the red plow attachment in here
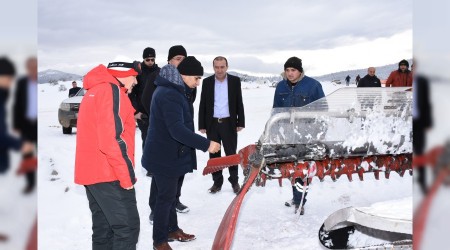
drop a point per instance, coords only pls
(255, 167)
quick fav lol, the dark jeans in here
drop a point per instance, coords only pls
(225, 134)
(154, 192)
(143, 127)
(165, 216)
(419, 142)
(30, 134)
(297, 191)
(115, 218)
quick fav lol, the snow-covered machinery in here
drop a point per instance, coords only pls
(351, 131)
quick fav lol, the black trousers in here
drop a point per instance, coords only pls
(297, 191)
(115, 218)
(29, 133)
(419, 142)
(225, 134)
(143, 127)
(165, 216)
(154, 192)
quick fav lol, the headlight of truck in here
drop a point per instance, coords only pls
(65, 106)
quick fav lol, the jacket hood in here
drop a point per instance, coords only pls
(98, 75)
(170, 73)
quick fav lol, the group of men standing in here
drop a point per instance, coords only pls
(161, 101)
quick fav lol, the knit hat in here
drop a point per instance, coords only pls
(124, 69)
(176, 50)
(294, 62)
(148, 52)
(7, 67)
(404, 62)
(190, 66)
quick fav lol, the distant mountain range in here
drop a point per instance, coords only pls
(50, 75)
(381, 71)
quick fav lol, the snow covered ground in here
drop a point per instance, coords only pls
(438, 220)
(17, 211)
(264, 221)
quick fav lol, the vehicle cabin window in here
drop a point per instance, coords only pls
(81, 92)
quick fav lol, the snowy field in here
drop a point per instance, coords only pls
(264, 221)
(17, 211)
(438, 220)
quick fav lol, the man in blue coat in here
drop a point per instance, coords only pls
(296, 91)
(170, 151)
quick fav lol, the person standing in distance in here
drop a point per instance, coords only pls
(74, 90)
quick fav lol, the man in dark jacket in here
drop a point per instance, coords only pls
(221, 116)
(370, 80)
(401, 77)
(25, 113)
(171, 142)
(357, 79)
(148, 66)
(422, 121)
(347, 80)
(7, 142)
(176, 55)
(74, 90)
(296, 91)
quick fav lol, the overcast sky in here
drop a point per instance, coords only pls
(18, 27)
(257, 36)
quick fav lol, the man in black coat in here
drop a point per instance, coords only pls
(422, 121)
(148, 67)
(25, 112)
(74, 90)
(221, 116)
(176, 55)
(369, 80)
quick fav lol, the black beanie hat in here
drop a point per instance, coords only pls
(190, 66)
(404, 62)
(294, 62)
(176, 50)
(148, 52)
(7, 67)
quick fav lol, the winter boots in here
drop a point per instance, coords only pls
(214, 189)
(236, 188)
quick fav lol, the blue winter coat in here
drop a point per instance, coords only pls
(171, 141)
(304, 92)
(7, 142)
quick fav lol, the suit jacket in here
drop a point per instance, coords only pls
(235, 105)
(423, 102)
(20, 105)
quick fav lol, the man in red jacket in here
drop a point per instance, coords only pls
(104, 161)
(402, 77)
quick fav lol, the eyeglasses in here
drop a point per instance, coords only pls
(149, 59)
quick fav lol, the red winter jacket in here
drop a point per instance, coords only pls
(399, 79)
(105, 132)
